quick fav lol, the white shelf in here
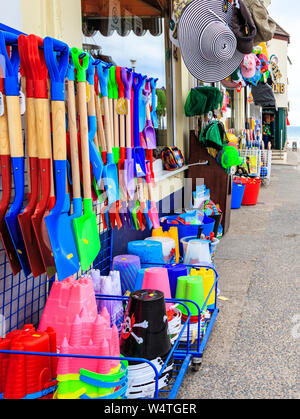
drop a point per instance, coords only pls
(165, 174)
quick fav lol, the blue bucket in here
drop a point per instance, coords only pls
(238, 191)
(189, 230)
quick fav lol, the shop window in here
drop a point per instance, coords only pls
(134, 34)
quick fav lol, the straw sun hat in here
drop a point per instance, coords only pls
(208, 45)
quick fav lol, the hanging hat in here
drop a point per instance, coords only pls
(229, 83)
(265, 25)
(249, 66)
(207, 43)
(202, 100)
(178, 6)
(196, 103)
(243, 27)
(263, 95)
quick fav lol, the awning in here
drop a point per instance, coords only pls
(123, 16)
(141, 8)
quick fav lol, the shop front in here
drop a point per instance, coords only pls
(144, 142)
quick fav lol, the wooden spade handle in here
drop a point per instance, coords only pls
(109, 140)
(84, 131)
(128, 124)
(15, 126)
(4, 135)
(148, 112)
(92, 112)
(111, 119)
(122, 131)
(59, 130)
(73, 140)
(116, 124)
(100, 127)
(43, 128)
(150, 190)
(31, 128)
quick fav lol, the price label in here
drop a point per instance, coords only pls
(2, 109)
(122, 107)
(22, 103)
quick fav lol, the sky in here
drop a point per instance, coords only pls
(287, 14)
(148, 51)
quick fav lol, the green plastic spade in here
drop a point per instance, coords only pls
(86, 228)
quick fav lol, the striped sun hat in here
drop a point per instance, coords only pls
(207, 43)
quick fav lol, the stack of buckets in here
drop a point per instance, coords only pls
(196, 287)
(245, 191)
(145, 335)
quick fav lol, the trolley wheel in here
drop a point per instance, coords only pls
(266, 182)
(196, 364)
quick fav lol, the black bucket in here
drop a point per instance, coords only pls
(145, 331)
(218, 219)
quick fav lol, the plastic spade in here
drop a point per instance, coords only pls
(58, 222)
(113, 94)
(5, 165)
(32, 247)
(86, 228)
(110, 172)
(115, 208)
(129, 178)
(149, 131)
(43, 131)
(103, 80)
(77, 200)
(152, 212)
(139, 152)
(153, 113)
(11, 85)
(121, 108)
(95, 157)
(100, 126)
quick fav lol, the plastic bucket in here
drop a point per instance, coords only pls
(145, 331)
(238, 190)
(198, 252)
(251, 192)
(185, 241)
(185, 230)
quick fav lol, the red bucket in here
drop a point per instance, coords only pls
(251, 191)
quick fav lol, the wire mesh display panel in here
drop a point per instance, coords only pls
(266, 164)
(22, 299)
(252, 157)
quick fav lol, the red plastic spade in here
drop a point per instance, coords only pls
(5, 165)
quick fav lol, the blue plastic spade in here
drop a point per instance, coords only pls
(59, 223)
(95, 156)
(153, 113)
(11, 84)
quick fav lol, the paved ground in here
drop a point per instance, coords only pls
(255, 346)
